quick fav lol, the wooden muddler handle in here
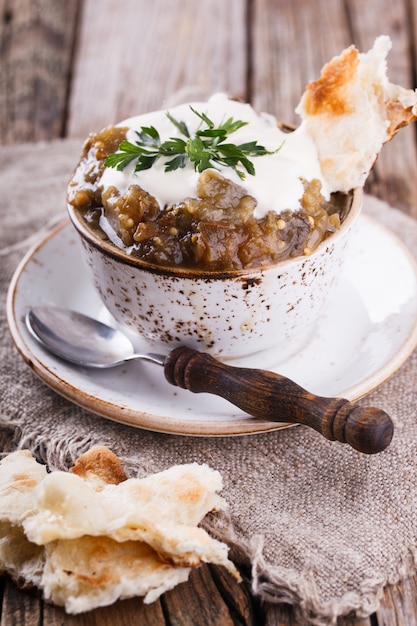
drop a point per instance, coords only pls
(272, 397)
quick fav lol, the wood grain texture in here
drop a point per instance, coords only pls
(122, 613)
(288, 51)
(134, 55)
(393, 177)
(399, 604)
(20, 608)
(242, 605)
(186, 604)
(36, 44)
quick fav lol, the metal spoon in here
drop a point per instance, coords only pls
(84, 341)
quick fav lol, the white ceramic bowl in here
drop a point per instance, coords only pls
(229, 314)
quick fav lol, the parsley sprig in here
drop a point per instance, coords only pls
(206, 148)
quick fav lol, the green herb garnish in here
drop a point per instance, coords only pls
(205, 148)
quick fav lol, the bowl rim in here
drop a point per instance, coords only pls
(110, 250)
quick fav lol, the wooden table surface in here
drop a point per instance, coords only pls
(69, 67)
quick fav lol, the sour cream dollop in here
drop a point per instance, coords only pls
(277, 183)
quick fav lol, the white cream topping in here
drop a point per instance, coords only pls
(276, 184)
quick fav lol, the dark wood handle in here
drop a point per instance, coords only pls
(272, 397)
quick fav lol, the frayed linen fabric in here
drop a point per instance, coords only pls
(322, 526)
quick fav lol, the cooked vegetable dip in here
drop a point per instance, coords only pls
(219, 218)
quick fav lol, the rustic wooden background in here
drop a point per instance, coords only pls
(69, 67)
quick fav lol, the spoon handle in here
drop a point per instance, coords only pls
(273, 397)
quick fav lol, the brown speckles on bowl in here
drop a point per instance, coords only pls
(247, 283)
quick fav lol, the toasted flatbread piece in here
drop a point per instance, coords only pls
(100, 466)
(19, 475)
(87, 572)
(90, 536)
(351, 111)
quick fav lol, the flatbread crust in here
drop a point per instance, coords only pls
(92, 535)
(351, 111)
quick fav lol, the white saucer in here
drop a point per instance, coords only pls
(367, 332)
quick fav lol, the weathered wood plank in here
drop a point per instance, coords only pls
(351, 621)
(122, 613)
(187, 603)
(20, 608)
(393, 177)
(279, 615)
(290, 43)
(134, 55)
(237, 596)
(36, 43)
(399, 604)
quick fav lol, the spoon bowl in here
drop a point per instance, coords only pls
(82, 340)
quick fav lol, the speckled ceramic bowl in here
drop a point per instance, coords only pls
(231, 314)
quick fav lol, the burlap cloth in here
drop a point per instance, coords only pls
(324, 527)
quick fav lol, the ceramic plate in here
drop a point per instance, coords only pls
(368, 330)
